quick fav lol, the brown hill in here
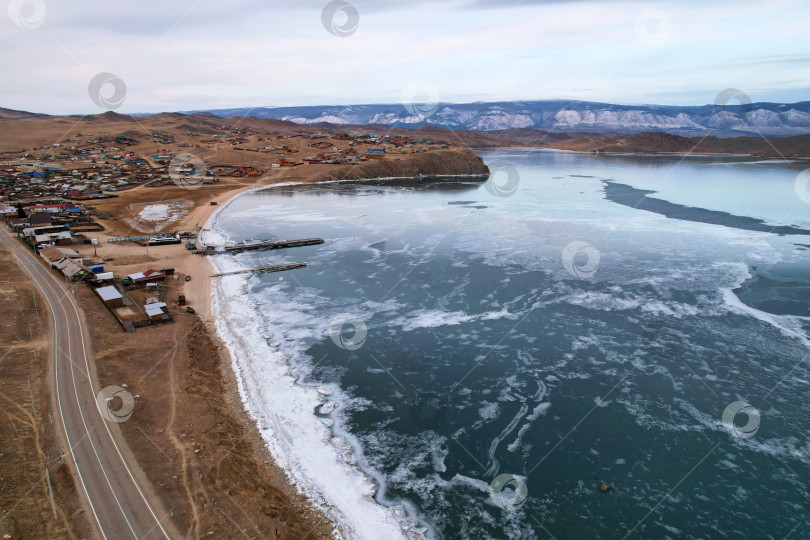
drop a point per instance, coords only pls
(537, 137)
(167, 116)
(448, 162)
(656, 142)
(20, 115)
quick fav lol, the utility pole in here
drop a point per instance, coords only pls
(31, 392)
(31, 335)
(48, 478)
(34, 294)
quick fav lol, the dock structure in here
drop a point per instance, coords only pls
(276, 268)
(280, 244)
(127, 239)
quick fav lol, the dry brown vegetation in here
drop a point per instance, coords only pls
(27, 439)
(189, 433)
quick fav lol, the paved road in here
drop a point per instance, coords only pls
(119, 506)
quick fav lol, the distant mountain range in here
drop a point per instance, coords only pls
(556, 119)
(755, 119)
(26, 129)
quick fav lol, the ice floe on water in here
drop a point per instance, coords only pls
(789, 326)
(435, 318)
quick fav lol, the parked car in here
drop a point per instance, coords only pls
(190, 309)
(188, 278)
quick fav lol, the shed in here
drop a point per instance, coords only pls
(110, 296)
(71, 269)
(153, 311)
(40, 218)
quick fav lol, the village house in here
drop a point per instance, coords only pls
(55, 254)
(148, 275)
(58, 238)
(71, 269)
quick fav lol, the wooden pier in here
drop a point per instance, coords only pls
(276, 268)
(281, 244)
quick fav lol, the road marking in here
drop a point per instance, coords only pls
(58, 398)
(48, 281)
(84, 423)
(118, 450)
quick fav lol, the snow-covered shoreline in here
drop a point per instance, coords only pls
(298, 440)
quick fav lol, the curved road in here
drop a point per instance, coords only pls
(119, 506)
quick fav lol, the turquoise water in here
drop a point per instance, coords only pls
(500, 350)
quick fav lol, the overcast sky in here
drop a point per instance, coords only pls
(203, 54)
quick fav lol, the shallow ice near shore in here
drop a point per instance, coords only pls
(300, 442)
(284, 413)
